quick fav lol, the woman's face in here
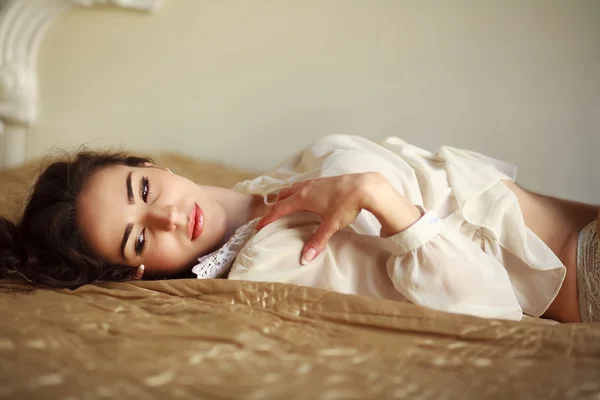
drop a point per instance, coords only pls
(150, 216)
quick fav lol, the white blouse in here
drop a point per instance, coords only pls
(470, 252)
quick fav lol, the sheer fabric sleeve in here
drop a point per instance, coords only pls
(435, 266)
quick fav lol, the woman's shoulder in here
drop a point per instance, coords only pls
(327, 156)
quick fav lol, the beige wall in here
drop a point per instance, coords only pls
(249, 82)
(594, 133)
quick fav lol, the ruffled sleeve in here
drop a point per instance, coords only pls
(433, 265)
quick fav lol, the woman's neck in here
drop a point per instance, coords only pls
(240, 208)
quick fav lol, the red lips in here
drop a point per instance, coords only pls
(196, 222)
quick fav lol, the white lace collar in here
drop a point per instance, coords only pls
(218, 262)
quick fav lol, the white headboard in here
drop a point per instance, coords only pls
(22, 26)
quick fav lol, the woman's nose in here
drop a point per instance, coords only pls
(166, 218)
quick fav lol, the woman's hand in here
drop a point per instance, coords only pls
(338, 200)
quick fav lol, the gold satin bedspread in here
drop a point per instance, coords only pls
(219, 339)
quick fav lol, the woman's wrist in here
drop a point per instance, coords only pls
(394, 212)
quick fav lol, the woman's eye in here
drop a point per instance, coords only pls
(140, 243)
(145, 189)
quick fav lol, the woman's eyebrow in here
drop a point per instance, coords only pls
(126, 235)
(129, 227)
(130, 198)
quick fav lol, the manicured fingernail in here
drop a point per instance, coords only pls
(308, 256)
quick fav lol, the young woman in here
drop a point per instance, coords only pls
(449, 230)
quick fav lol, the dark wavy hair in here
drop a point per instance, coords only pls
(45, 248)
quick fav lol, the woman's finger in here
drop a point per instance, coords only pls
(318, 241)
(287, 192)
(278, 210)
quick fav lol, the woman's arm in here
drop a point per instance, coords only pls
(430, 264)
(338, 200)
(393, 211)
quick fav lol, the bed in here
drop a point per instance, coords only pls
(220, 339)
(189, 338)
